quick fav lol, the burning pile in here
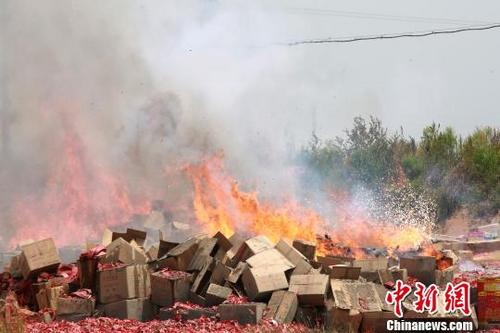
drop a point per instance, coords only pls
(221, 283)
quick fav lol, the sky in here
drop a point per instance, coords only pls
(190, 74)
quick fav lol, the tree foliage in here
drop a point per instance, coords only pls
(458, 171)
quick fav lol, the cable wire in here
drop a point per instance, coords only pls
(393, 36)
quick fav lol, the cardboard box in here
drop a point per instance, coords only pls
(260, 282)
(184, 252)
(220, 273)
(37, 257)
(205, 248)
(376, 321)
(302, 266)
(282, 306)
(272, 259)
(122, 251)
(126, 282)
(138, 236)
(222, 242)
(399, 274)
(310, 289)
(361, 296)
(421, 267)
(248, 313)
(235, 274)
(248, 248)
(139, 309)
(216, 294)
(165, 246)
(75, 305)
(201, 281)
(371, 264)
(344, 272)
(186, 314)
(47, 297)
(343, 320)
(169, 287)
(307, 249)
(488, 301)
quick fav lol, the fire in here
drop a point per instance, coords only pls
(219, 205)
(79, 199)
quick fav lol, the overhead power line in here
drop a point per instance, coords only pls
(414, 34)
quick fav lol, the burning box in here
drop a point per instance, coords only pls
(247, 313)
(443, 277)
(282, 306)
(307, 249)
(488, 300)
(220, 273)
(41, 256)
(310, 289)
(168, 286)
(75, 305)
(260, 282)
(124, 282)
(138, 236)
(138, 308)
(421, 267)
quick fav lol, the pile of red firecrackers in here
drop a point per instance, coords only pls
(104, 324)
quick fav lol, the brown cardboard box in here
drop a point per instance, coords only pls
(248, 248)
(75, 305)
(167, 289)
(235, 274)
(282, 306)
(260, 282)
(122, 251)
(184, 252)
(342, 320)
(272, 259)
(307, 249)
(300, 262)
(376, 321)
(137, 308)
(248, 313)
(344, 272)
(138, 236)
(222, 242)
(371, 264)
(205, 248)
(47, 297)
(200, 283)
(361, 296)
(126, 282)
(421, 267)
(165, 246)
(186, 314)
(216, 294)
(39, 256)
(399, 274)
(385, 276)
(310, 289)
(220, 273)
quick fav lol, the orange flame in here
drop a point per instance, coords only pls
(220, 206)
(79, 199)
